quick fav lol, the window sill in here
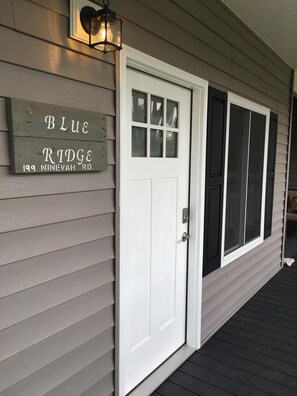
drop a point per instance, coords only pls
(241, 251)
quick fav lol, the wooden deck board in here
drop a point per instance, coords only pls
(247, 370)
(254, 353)
(173, 389)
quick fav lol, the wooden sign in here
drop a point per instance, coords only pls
(52, 139)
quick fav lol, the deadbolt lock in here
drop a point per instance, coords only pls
(186, 216)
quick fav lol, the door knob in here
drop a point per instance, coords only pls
(185, 237)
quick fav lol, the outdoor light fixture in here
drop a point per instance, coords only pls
(103, 27)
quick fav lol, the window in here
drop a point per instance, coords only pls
(239, 177)
(245, 177)
(155, 126)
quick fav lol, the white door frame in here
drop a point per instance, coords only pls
(145, 63)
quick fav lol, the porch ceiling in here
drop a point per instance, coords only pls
(274, 21)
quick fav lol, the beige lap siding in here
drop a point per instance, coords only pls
(57, 230)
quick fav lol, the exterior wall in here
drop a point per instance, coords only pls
(56, 231)
(293, 155)
(207, 40)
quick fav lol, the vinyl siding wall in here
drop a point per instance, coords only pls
(293, 155)
(204, 38)
(57, 230)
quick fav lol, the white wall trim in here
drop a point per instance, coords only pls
(76, 30)
(140, 61)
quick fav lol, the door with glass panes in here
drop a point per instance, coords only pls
(154, 199)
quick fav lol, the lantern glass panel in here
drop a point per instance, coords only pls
(106, 33)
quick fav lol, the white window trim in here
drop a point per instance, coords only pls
(247, 104)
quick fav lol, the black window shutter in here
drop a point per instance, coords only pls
(270, 174)
(215, 162)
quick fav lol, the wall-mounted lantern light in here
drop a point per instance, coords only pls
(103, 27)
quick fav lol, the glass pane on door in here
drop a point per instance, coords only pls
(171, 144)
(172, 114)
(139, 142)
(139, 106)
(157, 106)
(156, 143)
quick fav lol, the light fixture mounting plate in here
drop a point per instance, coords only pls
(86, 14)
(77, 32)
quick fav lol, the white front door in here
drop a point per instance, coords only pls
(154, 192)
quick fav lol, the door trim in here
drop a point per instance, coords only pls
(199, 87)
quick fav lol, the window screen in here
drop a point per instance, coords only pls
(255, 177)
(244, 177)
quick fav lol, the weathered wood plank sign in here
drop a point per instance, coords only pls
(52, 139)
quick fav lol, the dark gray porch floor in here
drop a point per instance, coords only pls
(254, 353)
